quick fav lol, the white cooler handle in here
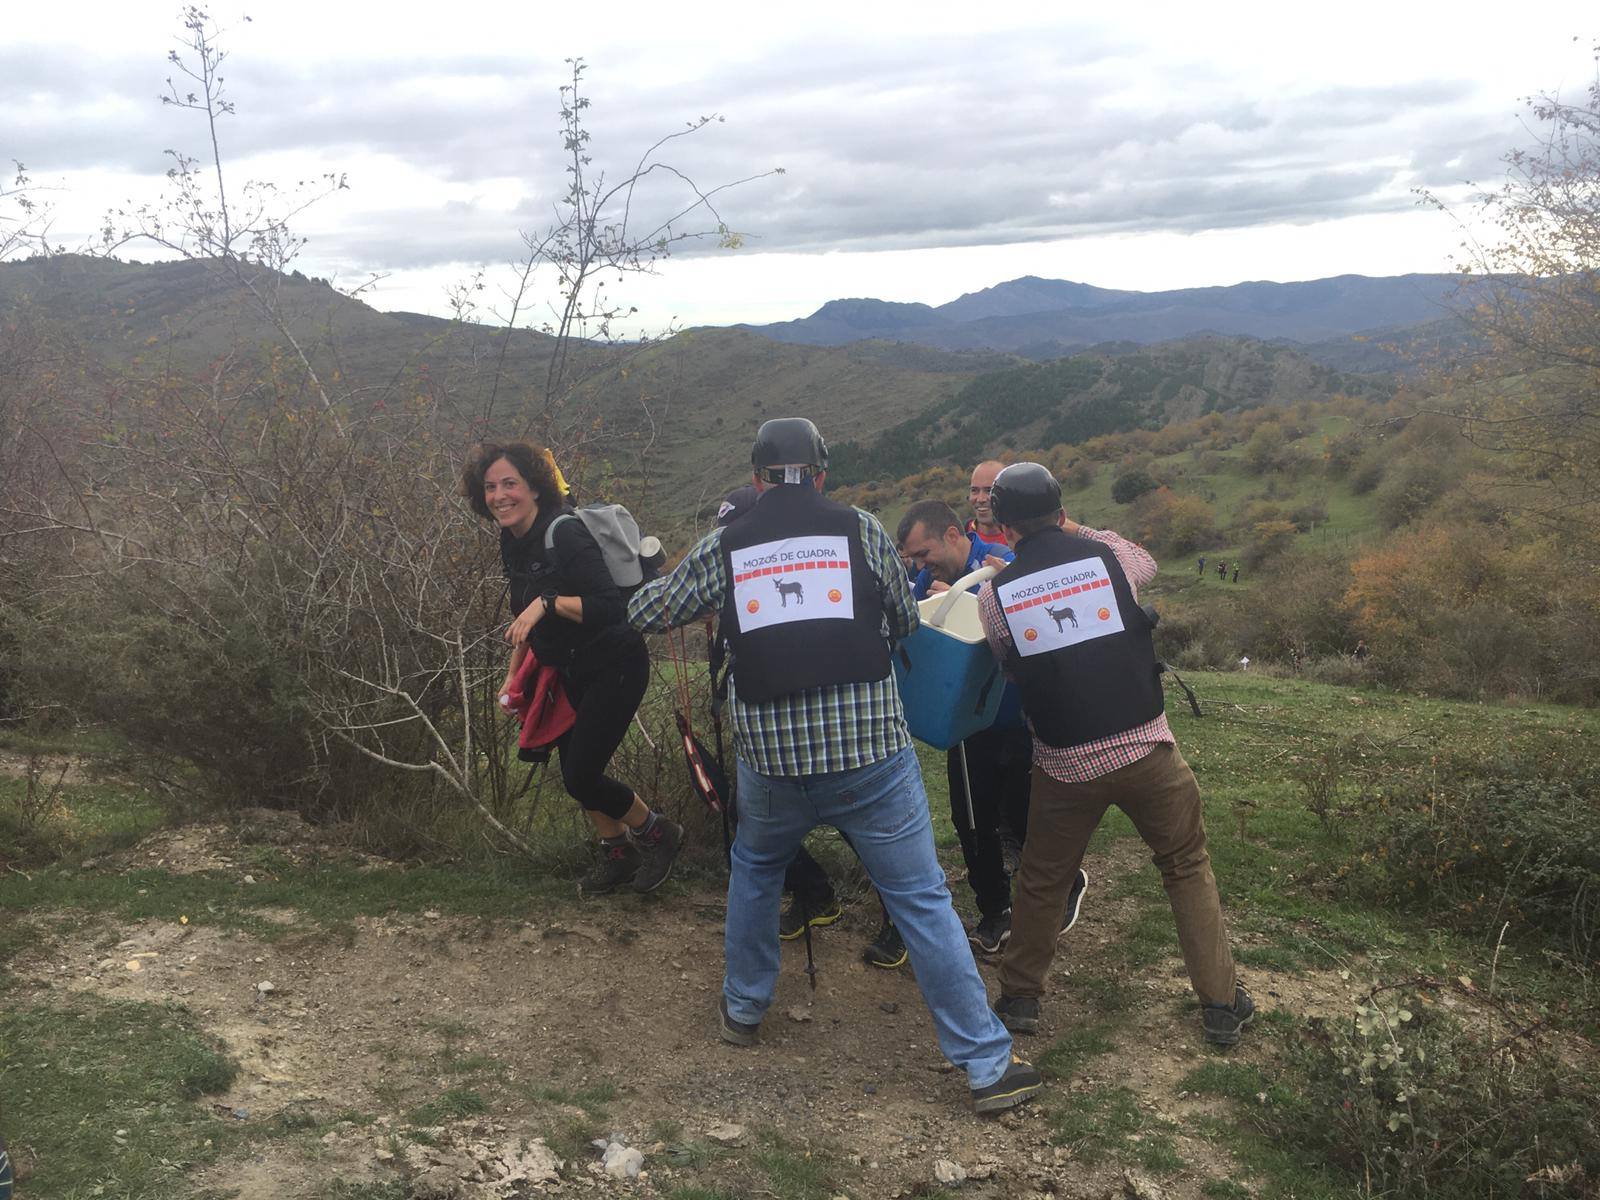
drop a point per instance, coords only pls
(957, 589)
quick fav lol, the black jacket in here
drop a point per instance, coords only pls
(1105, 679)
(805, 612)
(579, 570)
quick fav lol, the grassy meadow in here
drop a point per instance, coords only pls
(105, 1097)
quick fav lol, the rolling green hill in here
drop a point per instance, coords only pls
(1073, 399)
(668, 422)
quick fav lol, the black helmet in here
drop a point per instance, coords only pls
(788, 441)
(1024, 490)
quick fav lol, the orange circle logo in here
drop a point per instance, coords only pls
(753, 607)
(1104, 614)
(1031, 634)
(835, 595)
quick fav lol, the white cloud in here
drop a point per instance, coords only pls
(1164, 145)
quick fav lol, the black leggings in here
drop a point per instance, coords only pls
(606, 698)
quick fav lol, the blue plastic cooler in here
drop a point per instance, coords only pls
(950, 685)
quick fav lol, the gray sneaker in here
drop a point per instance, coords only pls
(736, 1033)
(618, 865)
(1020, 1082)
(991, 933)
(1224, 1021)
(657, 852)
(1019, 1014)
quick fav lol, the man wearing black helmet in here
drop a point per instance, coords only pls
(812, 595)
(1064, 620)
(813, 901)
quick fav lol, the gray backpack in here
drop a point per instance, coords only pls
(617, 533)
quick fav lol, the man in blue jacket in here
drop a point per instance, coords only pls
(989, 772)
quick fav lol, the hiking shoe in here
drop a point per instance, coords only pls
(619, 864)
(658, 850)
(991, 932)
(1075, 901)
(791, 924)
(1223, 1021)
(887, 950)
(1019, 1014)
(736, 1033)
(1020, 1082)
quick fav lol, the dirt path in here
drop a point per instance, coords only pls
(597, 1021)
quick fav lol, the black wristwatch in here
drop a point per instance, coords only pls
(549, 599)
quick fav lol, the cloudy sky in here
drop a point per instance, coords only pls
(927, 149)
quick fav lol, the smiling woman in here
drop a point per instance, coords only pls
(569, 615)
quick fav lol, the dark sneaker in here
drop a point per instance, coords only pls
(658, 850)
(1223, 1022)
(736, 1033)
(618, 864)
(887, 950)
(1019, 1014)
(990, 933)
(1020, 1082)
(791, 924)
(1075, 901)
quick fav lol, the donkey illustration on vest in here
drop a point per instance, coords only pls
(1059, 615)
(785, 590)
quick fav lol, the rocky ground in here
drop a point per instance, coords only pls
(441, 1056)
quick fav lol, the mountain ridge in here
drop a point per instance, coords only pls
(1040, 318)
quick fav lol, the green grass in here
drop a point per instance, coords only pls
(793, 1172)
(85, 818)
(1074, 1049)
(570, 1139)
(1109, 1123)
(331, 895)
(102, 1096)
(1223, 1189)
(449, 1106)
(1275, 859)
(592, 1100)
(345, 1190)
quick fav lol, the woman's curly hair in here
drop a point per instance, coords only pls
(536, 466)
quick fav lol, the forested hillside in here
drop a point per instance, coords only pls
(1112, 390)
(1353, 522)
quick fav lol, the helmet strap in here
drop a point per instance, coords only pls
(788, 474)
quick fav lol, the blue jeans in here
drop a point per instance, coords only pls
(883, 810)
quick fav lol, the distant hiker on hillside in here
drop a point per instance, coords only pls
(570, 615)
(1092, 694)
(1222, 569)
(989, 771)
(821, 739)
(1236, 572)
(982, 522)
(1202, 566)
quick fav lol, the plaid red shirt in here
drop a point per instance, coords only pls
(1090, 760)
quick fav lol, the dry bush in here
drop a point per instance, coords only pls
(290, 604)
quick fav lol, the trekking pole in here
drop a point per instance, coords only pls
(811, 961)
(966, 784)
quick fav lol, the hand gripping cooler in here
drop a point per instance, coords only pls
(950, 685)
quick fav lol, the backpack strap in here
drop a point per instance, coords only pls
(550, 536)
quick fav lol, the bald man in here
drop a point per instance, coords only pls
(982, 522)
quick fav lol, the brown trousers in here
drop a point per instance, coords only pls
(1160, 796)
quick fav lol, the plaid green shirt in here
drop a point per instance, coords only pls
(836, 728)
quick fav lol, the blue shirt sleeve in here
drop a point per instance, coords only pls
(980, 551)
